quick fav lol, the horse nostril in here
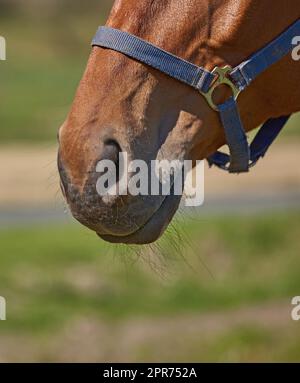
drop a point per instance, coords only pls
(111, 152)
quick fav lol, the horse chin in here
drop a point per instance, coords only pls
(153, 228)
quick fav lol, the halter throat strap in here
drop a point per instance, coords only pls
(242, 156)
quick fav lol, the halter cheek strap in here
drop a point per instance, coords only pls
(242, 156)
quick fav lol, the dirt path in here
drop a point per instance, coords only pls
(28, 175)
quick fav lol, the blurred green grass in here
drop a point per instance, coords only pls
(50, 274)
(46, 57)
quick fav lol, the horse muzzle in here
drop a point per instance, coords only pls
(117, 218)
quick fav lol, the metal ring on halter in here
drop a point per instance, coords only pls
(221, 79)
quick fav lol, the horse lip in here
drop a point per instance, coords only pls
(151, 230)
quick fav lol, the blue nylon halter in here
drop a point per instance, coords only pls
(242, 156)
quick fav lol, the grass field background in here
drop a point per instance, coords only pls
(220, 268)
(215, 288)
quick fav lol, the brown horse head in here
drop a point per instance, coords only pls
(124, 105)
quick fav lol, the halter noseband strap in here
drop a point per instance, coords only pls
(242, 156)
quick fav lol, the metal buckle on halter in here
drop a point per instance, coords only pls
(221, 79)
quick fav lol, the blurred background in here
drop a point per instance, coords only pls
(217, 287)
